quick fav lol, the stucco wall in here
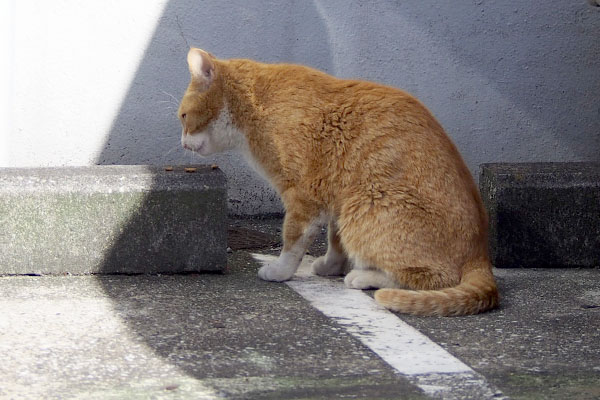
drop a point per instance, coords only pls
(93, 82)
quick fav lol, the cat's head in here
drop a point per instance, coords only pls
(206, 123)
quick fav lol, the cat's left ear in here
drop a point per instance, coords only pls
(201, 67)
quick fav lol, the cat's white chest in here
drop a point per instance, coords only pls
(228, 136)
(225, 132)
(252, 161)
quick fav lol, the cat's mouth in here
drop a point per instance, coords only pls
(192, 143)
(198, 145)
(195, 148)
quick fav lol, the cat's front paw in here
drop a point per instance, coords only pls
(272, 271)
(272, 268)
(322, 267)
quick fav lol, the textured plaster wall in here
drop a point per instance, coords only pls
(95, 82)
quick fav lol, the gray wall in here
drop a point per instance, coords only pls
(509, 80)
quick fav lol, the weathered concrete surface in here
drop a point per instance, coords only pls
(543, 214)
(112, 219)
(206, 336)
(193, 336)
(542, 343)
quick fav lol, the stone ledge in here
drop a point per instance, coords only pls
(543, 214)
(112, 219)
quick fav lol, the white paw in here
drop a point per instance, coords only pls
(321, 267)
(367, 279)
(272, 269)
(355, 280)
(275, 273)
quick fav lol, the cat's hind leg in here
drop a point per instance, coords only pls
(368, 278)
(334, 261)
(300, 227)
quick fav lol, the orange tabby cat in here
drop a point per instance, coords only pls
(369, 159)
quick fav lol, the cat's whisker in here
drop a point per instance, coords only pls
(172, 97)
(170, 106)
(172, 149)
(194, 157)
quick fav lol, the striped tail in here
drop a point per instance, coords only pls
(476, 292)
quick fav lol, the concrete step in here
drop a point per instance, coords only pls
(543, 214)
(112, 219)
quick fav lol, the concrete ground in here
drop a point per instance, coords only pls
(233, 336)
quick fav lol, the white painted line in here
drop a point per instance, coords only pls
(399, 344)
(408, 351)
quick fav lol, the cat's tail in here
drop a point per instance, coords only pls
(476, 292)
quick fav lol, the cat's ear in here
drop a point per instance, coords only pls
(201, 67)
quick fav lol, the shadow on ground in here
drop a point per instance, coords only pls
(212, 325)
(201, 323)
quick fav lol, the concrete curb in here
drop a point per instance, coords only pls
(112, 219)
(543, 214)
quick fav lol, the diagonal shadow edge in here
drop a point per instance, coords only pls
(133, 297)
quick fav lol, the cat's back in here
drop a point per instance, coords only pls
(291, 96)
(285, 81)
(372, 131)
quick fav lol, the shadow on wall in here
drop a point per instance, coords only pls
(541, 62)
(510, 81)
(478, 45)
(146, 131)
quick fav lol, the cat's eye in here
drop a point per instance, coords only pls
(183, 115)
